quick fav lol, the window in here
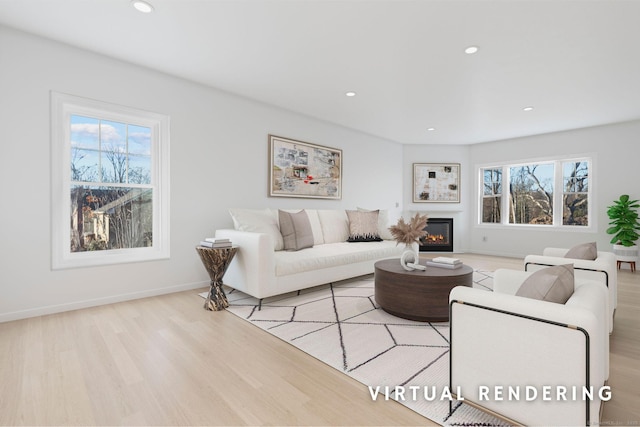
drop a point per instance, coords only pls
(575, 178)
(110, 183)
(529, 195)
(492, 195)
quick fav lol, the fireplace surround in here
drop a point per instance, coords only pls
(439, 237)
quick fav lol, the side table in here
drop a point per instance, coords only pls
(632, 265)
(216, 261)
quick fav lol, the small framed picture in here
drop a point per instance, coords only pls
(436, 182)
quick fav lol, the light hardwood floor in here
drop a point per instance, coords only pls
(166, 361)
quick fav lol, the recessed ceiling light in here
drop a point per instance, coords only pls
(142, 6)
(527, 109)
(431, 129)
(350, 94)
(471, 50)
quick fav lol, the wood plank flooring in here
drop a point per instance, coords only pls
(166, 361)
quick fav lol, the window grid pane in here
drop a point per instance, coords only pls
(110, 217)
(531, 194)
(491, 202)
(575, 198)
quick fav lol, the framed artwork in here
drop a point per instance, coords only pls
(436, 182)
(302, 169)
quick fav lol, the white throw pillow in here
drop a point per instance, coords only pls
(258, 221)
(335, 225)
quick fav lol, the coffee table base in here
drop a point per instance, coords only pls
(418, 318)
(417, 295)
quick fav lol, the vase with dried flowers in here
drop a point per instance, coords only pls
(410, 233)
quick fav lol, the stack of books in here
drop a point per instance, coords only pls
(445, 262)
(215, 242)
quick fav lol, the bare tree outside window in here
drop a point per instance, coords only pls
(492, 195)
(531, 194)
(575, 200)
(111, 196)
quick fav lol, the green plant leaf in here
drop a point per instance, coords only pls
(613, 230)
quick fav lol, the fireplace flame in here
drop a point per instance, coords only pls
(435, 238)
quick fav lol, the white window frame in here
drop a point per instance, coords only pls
(557, 195)
(63, 106)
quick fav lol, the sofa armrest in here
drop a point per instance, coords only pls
(605, 261)
(253, 268)
(569, 313)
(601, 268)
(557, 252)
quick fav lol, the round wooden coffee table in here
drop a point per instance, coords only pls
(417, 295)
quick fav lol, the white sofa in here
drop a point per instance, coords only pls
(603, 269)
(261, 268)
(499, 339)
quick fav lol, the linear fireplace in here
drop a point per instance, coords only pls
(439, 237)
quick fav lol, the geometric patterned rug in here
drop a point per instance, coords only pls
(342, 325)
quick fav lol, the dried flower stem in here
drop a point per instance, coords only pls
(411, 232)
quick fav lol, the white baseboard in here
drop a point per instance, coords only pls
(501, 254)
(76, 305)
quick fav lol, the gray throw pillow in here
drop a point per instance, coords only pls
(583, 251)
(296, 230)
(553, 284)
(363, 226)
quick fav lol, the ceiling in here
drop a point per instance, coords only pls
(576, 62)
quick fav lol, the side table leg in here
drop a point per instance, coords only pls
(217, 299)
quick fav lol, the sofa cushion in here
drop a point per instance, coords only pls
(296, 230)
(335, 225)
(258, 221)
(334, 255)
(363, 226)
(583, 251)
(553, 284)
(383, 223)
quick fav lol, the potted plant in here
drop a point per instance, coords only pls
(624, 227)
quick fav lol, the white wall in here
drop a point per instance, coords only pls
(616, 152)
(218, 160)
(460, 212)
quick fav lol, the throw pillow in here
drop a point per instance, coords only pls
(335, 225)
(363, 226)
(583, 251)
(383, 223)
(553, 284)
(258, 221)
(316, 227)
(296, 230)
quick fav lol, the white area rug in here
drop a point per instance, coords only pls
(341, 325)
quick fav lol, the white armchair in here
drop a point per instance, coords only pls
(603, 269)
(508, 351)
